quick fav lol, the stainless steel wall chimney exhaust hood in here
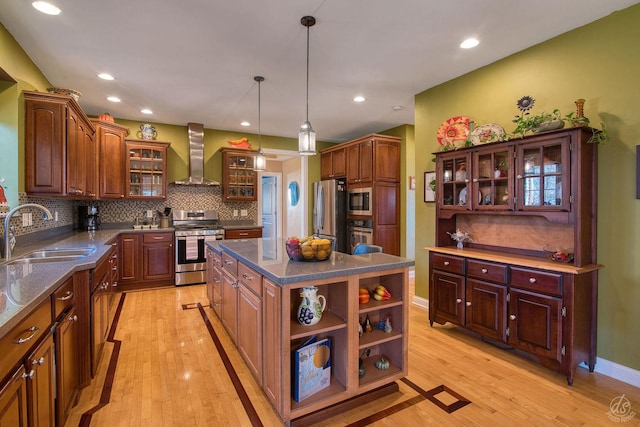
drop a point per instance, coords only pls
(196, 157)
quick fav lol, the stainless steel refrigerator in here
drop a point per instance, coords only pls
(330, 211)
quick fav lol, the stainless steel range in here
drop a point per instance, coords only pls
(192, 229)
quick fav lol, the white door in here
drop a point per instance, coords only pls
(269, 206)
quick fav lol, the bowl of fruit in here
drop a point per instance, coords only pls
(309, 248)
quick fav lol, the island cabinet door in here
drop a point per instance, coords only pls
(230, 305)
(250, 330)
(271, 339)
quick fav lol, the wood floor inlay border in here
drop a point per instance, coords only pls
(105, 396)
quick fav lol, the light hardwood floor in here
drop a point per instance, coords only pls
(170, 374)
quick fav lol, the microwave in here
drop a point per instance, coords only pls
(360, 201)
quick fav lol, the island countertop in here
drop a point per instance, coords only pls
(269, 257)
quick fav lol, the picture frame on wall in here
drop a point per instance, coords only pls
(429, 187)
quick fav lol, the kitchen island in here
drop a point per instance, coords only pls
(254, 289)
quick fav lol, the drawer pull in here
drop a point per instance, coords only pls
(67, 296)
(243, 234)
(468, 303)
(158, 237)
(246, 276)
(532, 280)
(484, 270)
(31, 374)
(227, 262)
(34, 331)
(446, 263)
(512, 317)
(458, 300)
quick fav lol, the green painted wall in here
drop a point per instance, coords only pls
(601, 63)
(14, 62)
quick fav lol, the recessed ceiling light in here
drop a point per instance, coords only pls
(359, 98)
(106, 76)
(45, 7)
(245, 123)
(146, 111)
(469, 43)
(113, 99)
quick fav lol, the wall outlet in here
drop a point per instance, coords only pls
(235, 212)
(243, 212)
(149, 213)
(55, 216)
(25, 219)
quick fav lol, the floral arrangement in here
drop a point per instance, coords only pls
(460, 237)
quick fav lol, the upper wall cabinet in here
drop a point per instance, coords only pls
(373, 158)
(110, 170)
(333, 163)
(238, 176)
(59, 147)
(146, 169)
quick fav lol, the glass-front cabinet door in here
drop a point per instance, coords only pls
(239, 178)
(454, 181)
(493, 178)
(146, 170)
(543, 177)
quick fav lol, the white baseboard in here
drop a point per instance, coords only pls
(616, 371)
(603, 366)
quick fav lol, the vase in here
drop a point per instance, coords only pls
(311, 306)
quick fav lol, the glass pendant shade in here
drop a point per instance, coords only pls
(306, 140)
(260, 161)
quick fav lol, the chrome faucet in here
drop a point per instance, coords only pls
(9, 237)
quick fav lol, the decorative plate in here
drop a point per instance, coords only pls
(490, 132)
(455, 129)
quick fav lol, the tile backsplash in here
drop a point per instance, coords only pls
(119, 211)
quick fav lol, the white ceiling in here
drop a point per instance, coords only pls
(194, 60)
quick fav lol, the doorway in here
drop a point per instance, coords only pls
(271, 204)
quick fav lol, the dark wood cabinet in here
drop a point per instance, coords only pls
(333, 163)
(58, 136)
(360, 162)
(239, 180)
(13, 399)
(110, 170)
(386, 216)
(41, 383)
(67, 362)
(446, 298)
(146, 259)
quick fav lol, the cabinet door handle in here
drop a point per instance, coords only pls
(484, 270)
(73, 318)
(38, 362)
(34, 331)
(458, 300)
(446, 263)
(235, 284)
(512, 317)
(475, 179)
(468, 303)
(31, 374)
(532, 280)
(519, 176)
(227, 262)
(67, 296)
(158, 237)
(246, 276)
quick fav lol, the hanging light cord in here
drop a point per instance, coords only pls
(259, 128)
(308, 24)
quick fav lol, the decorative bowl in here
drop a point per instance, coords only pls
(559, 255)
(312, 250)
(64, 91)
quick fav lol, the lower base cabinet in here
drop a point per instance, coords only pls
(547, 313)
(13, 400)
(146, 259)
(67, 362)
(41, 382)
(272, 315)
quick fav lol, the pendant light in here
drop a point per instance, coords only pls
(260, 160)
(307, 136)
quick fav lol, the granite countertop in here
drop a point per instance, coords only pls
(239, 224)
(24, 286)
(269, 257)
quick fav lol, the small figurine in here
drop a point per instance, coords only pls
(387, 326)
(367, 325)
(360, 330)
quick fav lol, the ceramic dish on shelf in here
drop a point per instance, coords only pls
(65, 91)
(454, 131)
(462, 197)
(484, 134)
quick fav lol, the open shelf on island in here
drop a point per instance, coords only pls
(373, 374)
(378, 337)
(328, 322)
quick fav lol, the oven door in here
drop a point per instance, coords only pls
(359, 235)
(189, 252)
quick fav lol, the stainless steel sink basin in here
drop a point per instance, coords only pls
(47, 259)
(52, 255)
(56, 253)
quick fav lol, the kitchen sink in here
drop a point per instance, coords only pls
(37, 260)
(57, 253)
(52, 255)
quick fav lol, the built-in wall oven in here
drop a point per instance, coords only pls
(360, 201)
(193, 229)
(360, 231)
